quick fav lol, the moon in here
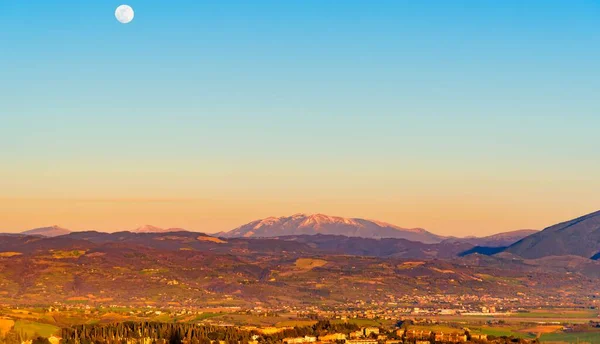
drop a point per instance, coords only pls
(124, 14)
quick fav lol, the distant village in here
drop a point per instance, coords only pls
(388, 307)
(414, 319)
(414, 325)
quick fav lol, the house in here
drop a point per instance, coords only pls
(418, 334)
(369, 330)
(450, 337)
(356, 334)
(362, 341)
(332, 337)
(300, 340)
(479, 336)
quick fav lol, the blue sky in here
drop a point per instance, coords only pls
(388, 100)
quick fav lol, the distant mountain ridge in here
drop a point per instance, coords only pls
(578, 237)
(55, 230)
(303, 224)
(154, 229)
(496, 240)
(51, 231)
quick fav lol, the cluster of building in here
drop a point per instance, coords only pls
(373, 335)
(384, 307)
(367, 335)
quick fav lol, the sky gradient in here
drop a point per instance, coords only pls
(461, 117)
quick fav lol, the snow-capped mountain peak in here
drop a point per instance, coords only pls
(303, 224)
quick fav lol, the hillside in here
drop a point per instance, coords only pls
(184, 268)
(578, 237)
(387, 247)
(301, 244)
(302, 224)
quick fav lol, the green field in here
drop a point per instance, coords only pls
(587, 337)
(67, 254)
(206, 315)
(502, 331)
(558, 313)
(32, 329)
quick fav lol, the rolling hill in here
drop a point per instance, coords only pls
(302, 224)
(386, 247)
(301, 244)
(194, 269)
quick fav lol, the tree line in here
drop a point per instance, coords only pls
(177, 333)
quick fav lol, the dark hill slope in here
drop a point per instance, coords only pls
(579, 237)
(399, 248)
(302, 244)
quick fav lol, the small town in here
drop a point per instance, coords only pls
(461, 320)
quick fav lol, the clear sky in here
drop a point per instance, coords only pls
(462, 117)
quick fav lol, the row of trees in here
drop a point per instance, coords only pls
(152, 332)
(179, 333)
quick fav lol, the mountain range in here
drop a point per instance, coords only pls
(187, 268)
(577, 237)
(302, 224)
(173, 266)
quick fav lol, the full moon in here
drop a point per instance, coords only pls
(124, 14)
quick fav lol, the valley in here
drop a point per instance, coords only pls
(156, 275)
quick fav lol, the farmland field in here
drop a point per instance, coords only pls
(32, 329)
(499, 331)
(296, 323)
(586, 337)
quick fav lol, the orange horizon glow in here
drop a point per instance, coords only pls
(211, 216)
(449, 200)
